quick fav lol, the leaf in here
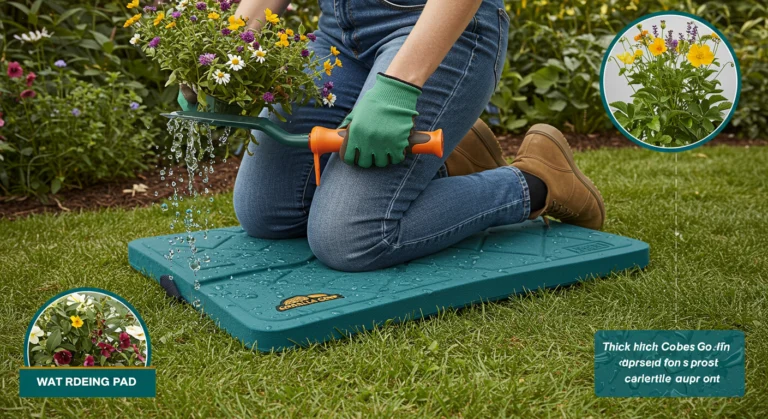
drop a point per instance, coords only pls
(516, 124)
(557, 105)
(716, 98)
(54, 340)
(27, 151)
(654, 125)
(55, 185)
(622, 106)
(544, 78)
(665, 139)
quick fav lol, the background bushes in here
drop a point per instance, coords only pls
(551, 74)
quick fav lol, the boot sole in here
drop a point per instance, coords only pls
(557, 137)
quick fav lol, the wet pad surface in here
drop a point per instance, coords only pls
(274, 294)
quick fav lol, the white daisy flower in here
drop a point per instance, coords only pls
(135, 39)
(235, 62)
(136, 331)
(221, 77)
(259, 54)
(329, 100)
(33, 36)
(182, 4)
(35, 335)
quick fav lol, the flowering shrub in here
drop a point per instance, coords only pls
(87, 330)
(678, 101)
(57, 132)
(208, 48)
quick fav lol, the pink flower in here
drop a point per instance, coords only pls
(106, 349)
(125, 340)
(137, 352)
(14, 70)
(89, 361)
(28, 94)
(63, 357)
(31, 78)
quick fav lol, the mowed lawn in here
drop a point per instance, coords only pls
(527, 356)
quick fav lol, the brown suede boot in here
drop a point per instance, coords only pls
(478, 150)
(571, 197)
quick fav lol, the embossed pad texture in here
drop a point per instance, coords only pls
(274, 294)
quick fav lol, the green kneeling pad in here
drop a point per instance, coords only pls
(274, 294)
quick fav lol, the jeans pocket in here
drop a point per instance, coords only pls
(501, 53)
(404, 5)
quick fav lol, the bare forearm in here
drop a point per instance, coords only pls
(254, 10)
(440, 25)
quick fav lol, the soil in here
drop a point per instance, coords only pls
(129, 193)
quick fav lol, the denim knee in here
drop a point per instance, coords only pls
(343, 244)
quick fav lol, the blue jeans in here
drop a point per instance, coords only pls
(364, 219)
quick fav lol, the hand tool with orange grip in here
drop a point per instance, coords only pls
(320, 140)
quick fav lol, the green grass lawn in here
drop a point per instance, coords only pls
(527, 356)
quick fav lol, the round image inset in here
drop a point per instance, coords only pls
(85, 328)
(670, 81)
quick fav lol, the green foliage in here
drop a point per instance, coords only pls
(87, 329)
(679, 101)
(71, 133)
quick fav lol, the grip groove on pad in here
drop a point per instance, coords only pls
(274, 294)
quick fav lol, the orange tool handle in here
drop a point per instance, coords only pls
(326, 140)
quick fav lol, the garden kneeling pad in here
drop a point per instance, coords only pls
(274, 294)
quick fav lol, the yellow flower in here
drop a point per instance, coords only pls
(338, 63)
(271, 17)
(658, 47)
(335, 51)
(133, 4)
(626, 57)
(170, 25)
(714, 36)
(700, 55)
(639, 53)
(327, 66)
(283, 42)
(235, 23)
(160, 17)
(303, 38)
(77, 322)
(132, 20)
(289, 32)
(570, 11)
(213, 16)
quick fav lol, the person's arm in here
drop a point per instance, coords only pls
(439, 26)
(254, 10)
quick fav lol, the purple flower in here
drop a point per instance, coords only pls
(89, 361)
(60, 63)
(325, 91)
(297, 37)
(224, 6)
(76, 112)
(694, 33)
(63, 357)
(176, 14)
(312, 37)
(193, 18)
(328, 85)
(256, 44)
(239, 48)
(134, 105)
(247, 37)
(154, 42)
(226, 31)
(150, 8)
(655, 31)
(206, 59)
(201, 5)
(305, 53)
(268, 97)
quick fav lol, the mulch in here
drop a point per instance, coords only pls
(140, 192)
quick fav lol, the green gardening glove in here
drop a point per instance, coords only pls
(380, 124)
(187, 98)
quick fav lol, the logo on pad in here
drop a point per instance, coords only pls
(305, 300)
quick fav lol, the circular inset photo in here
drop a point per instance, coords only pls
(87, 328)
(670, 81)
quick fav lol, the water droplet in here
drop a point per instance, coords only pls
(197, 285)
(164, 206)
